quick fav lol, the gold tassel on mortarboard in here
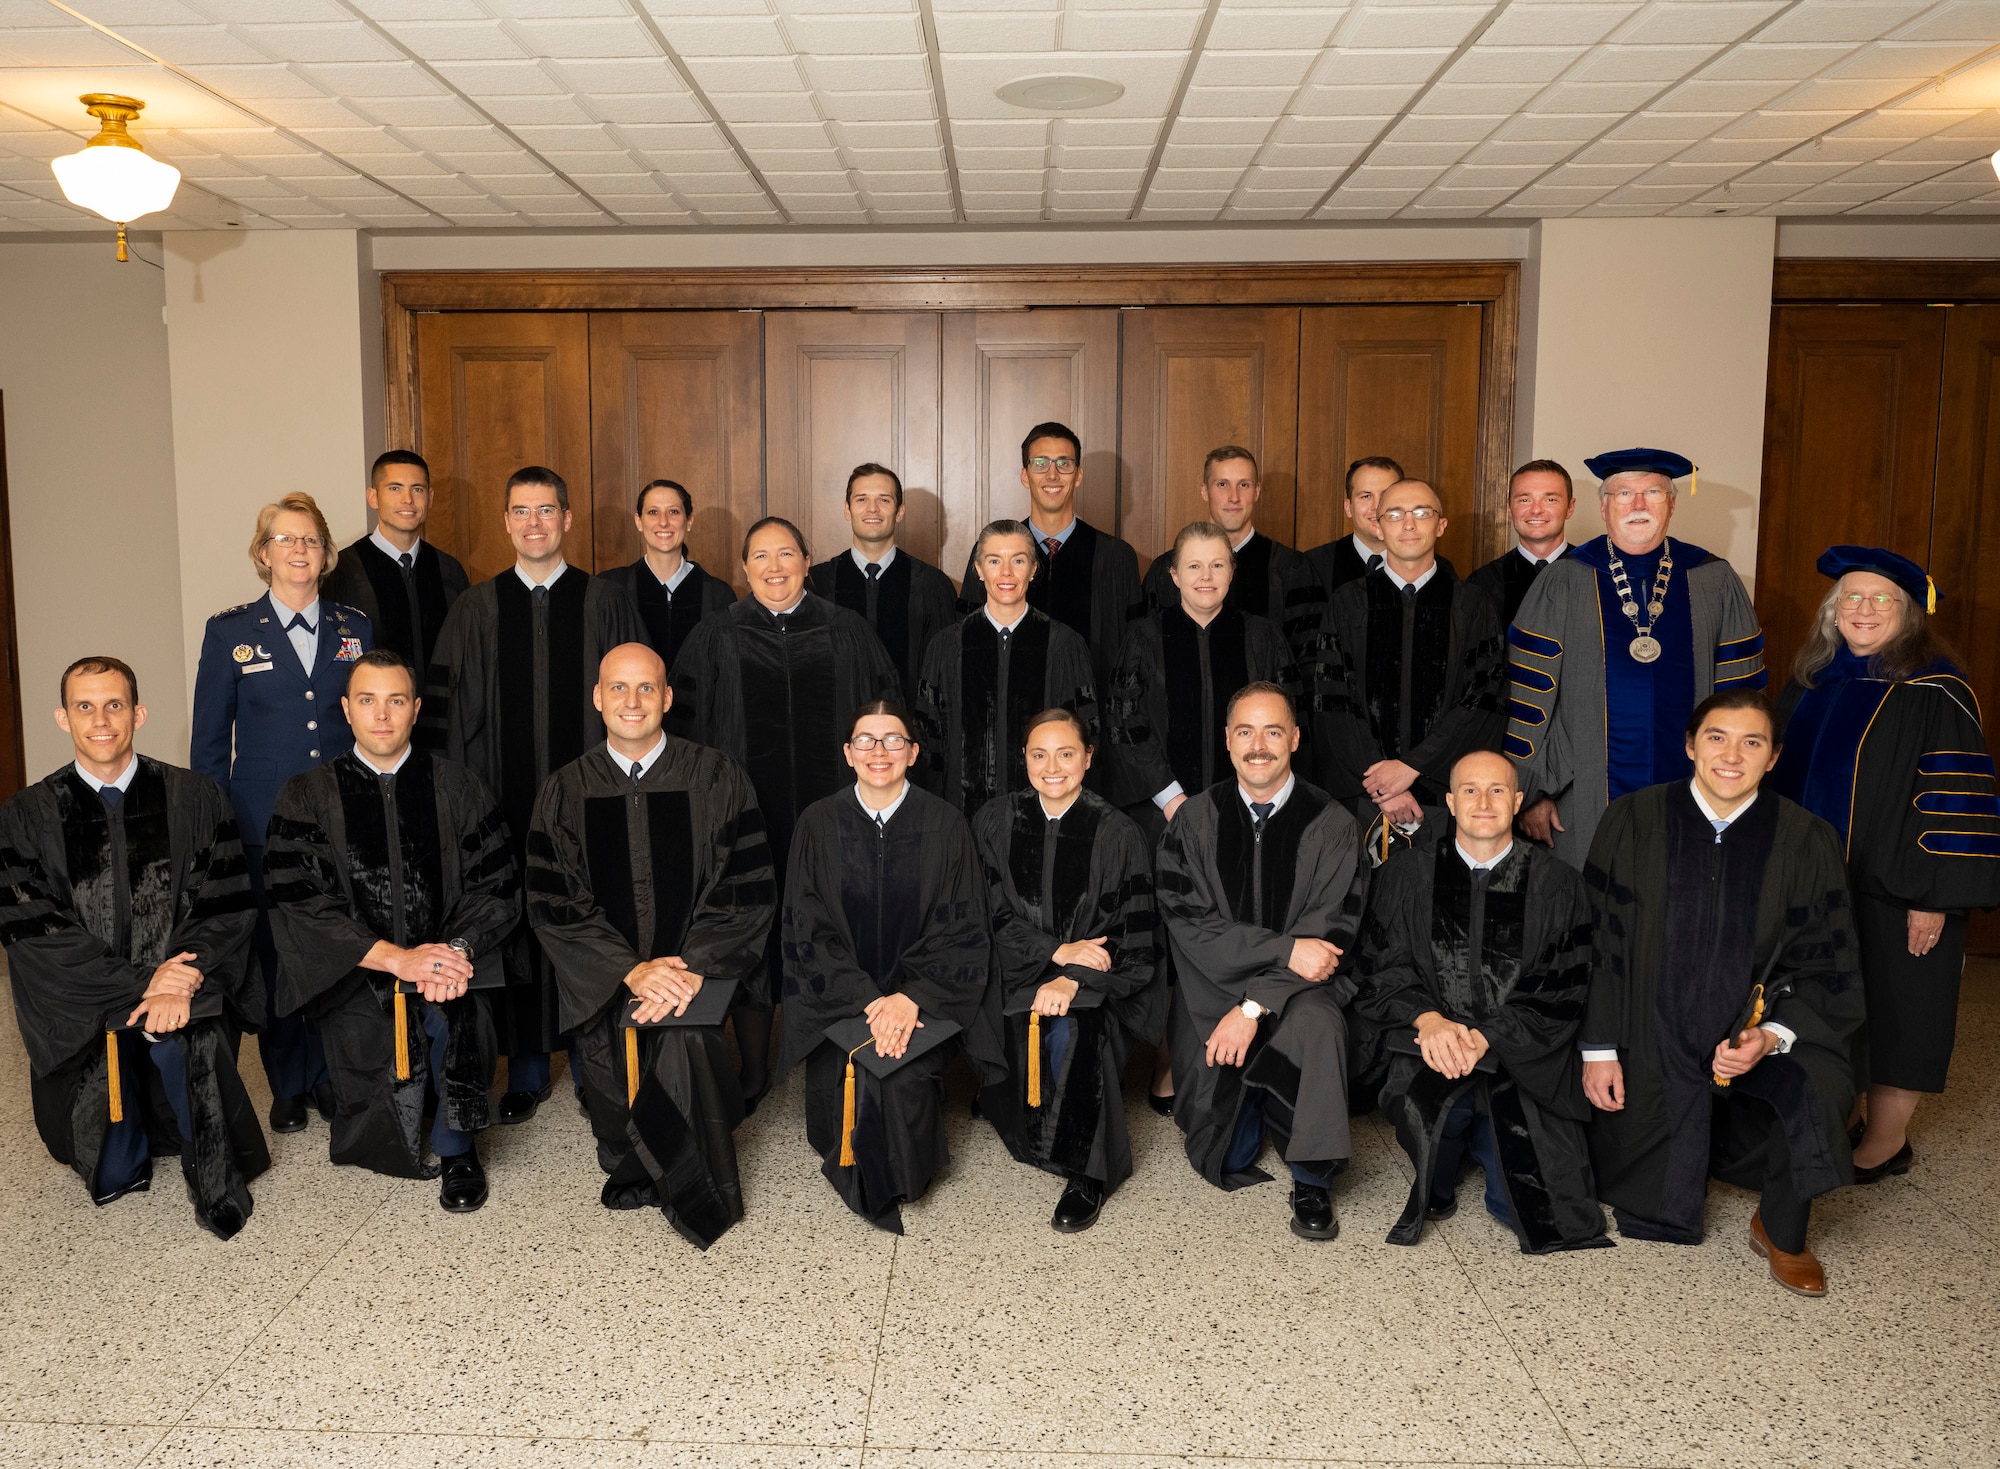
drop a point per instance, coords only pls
(1034, 1059)
(847, 1108)
(402, 1037)
(1930, 597)
(631, 1064)
(1694, 479)
(112, 1082)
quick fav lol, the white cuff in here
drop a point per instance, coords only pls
(1785, 1036)
(1610, 1055)
(1165, 798)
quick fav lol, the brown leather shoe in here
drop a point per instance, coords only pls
(1801, 1274)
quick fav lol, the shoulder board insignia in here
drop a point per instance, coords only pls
(233, 611)
(243, 653)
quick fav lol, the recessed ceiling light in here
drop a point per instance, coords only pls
(1060, 93)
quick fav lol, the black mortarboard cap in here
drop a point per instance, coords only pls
(1640, 461)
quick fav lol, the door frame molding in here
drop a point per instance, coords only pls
(1832, 281)
(1493, 284)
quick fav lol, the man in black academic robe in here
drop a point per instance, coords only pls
(1474, 964)
(509, 694)
(1260, 889)
(985, 677)
(126, 912)
(1540, 501)
(671, 591)
(906, 600)
(1351, 556)
(403, 583)
(1083, 875)
(1724, 953)
(1411, 675)
(884, 908)
(650, 877)
(1086, 579)
(391, 877)
(1271, 579)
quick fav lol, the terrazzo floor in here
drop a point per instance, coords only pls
(354, 1323)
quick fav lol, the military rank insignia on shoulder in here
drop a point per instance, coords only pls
(350, 649)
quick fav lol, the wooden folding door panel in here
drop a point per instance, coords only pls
(1005, 372)
(1850, 451)
(498, 391)
(1196, 378)
(678, 395)
(846, 388)
(1965, 538)
(1401, 381)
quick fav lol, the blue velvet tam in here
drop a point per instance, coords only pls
(1640, 461)
(1837, 561)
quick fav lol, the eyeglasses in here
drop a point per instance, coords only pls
(1852, 600)
(1419, 513)
(1652, 495)
(521, 514)
(894, 744)
(1042, 464)
(285, 542)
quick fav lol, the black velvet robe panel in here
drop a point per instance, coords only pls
(480, 704)
(971, 743)
(871, 912)
(1091, 586)
(1524, 992)
(1231, 906)
(1457, 680)
(676, 864)
(912, 603)
(1086, 875)
(1506, 579)
(338, 886)
(1683, 926)
(84, 931)
(1164, 713)
(670, 618)
(1268, 577)
(369, 581)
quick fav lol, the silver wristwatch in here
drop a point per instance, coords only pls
(464, 949)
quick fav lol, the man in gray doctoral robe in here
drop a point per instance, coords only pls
(1613, 647)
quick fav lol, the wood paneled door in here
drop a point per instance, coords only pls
(1401, 381)
(1965, 535)
(497, 391)
(678, 395)
(844, 388)
(1003, 373)
(1196, 378)
(1850, 451)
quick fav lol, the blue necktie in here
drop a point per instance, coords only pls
(299, 621)
(1260, 811)
(112, 796)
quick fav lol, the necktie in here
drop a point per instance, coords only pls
(1050, 545)
(541, 596)
(784, 621)
(1410, 592)
(1720, 828)
(1374, 562)
(407, 562)
(298, 621)
(874, 570)
(112, 796)
(1006, 638)
(637, 771)
(1260, 812)
(1540, 562)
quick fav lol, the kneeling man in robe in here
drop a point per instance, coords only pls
(1474, 965)
(1725, 993)
(649, 886)
(1260, 884)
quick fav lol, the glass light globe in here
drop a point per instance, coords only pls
(120, 183)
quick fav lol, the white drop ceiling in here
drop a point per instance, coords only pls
(429, 114)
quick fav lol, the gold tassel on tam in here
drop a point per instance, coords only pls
(631, 1065)
(402, 1037)
(847, 1108)
(1034, 1059)
(113, 1083)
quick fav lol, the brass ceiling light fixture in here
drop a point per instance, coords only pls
(113, 176)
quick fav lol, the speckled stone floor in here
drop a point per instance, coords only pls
(354, 1323)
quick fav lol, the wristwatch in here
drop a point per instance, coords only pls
(1252, 1010)
(464, 949)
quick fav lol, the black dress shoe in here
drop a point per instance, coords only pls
(288, 1114)
(1079, 1206)
(463, 1186)
(1436, 1209)
(1162, 1105)
(142, 1182)
(322, 1100)
(1894, 1166)
(629, 1195)
(581, 1105)
(1312, 1212)
(520, 1106)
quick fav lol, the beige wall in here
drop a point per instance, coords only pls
(266, 343)
(1652, 332)
(90, 481)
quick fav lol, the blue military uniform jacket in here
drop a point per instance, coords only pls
(251, 685)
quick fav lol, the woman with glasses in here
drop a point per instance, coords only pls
(266, 708)
(1882, 738)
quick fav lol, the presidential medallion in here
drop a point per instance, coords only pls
(1645, 648)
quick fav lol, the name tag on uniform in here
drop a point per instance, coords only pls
(256, 668)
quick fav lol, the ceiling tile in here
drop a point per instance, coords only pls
(1488, 99)
(1825, 22)
(1263, 102)
(1555, 24)
(1305, 28)
(854, 34)
(1124, 30)
(1773, 63)
(869, 73)
(1253, 68)
(458, 41)
(1411, 25)
(722, 36)
(996, 32)
(654, 74)
(1718, 21)
(1376, 68)
(608, 39)
(1513, 63)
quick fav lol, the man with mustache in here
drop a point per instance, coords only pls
(1540, 501)
(1612, 649)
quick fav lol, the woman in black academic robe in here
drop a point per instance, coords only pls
(885, 930)
(670, 608)
(771, 683)
(1069, 880)
(1178, 670)
(988, 674)
(1882, 739)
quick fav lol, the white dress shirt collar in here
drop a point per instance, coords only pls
(1278, 801)
(1489, 864)
(1694, 789)
(1249, 535)
(530, 583)
(673, 583)
(645, 761)
(368, 764)
(862, 563)
(1390, 572)
(1366, 555)
(998, 625)
(888, 812)
(1533, 560)
(1061, 537)
(122, 784)
(393, 551)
